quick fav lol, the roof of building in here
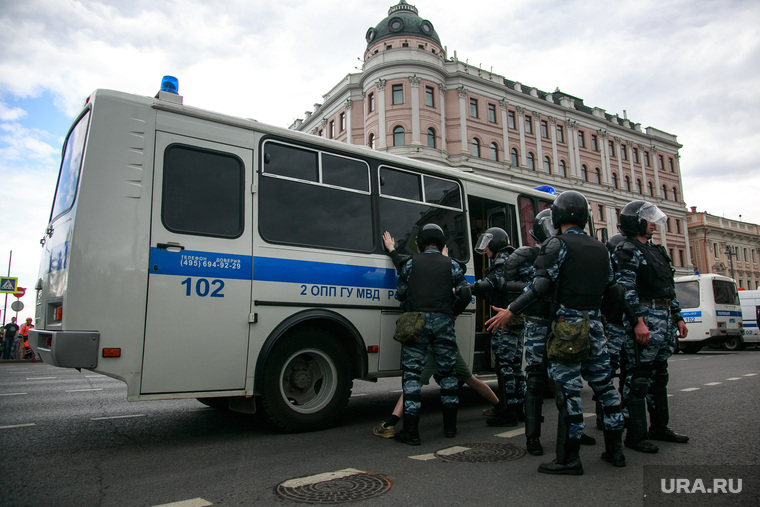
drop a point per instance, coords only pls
(402, 20)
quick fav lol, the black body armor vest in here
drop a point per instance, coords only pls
(430, 284)
(584, 274)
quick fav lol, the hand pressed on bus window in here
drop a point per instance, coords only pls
(388, 241)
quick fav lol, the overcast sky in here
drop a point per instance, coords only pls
(687, 67)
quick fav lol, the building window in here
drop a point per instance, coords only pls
(664, 192)
(675, 194)
(715, 250)
(475, 147)
(398, 136)
(680, 257)
(584, 172)
(494, 152)
(511, 119)
(614, 180)
(560, 134)
(635, 153)
(624, 152)
(661, 162)
(638, 186)
(562, 169)
(667, 224)
(547, 165)
(611, 145)
(398, 94)
(651, 188)
(627, 184)
(678, 226)
(594, 143)
(431, 138)
(646, 158)
(492, 113)
(474, 108)
(531, 162)
(600, 212)
(581, 139)
(371, 141)
(332, 129)
(514, 158)
(597, 176)
(671, 165)
(429, 96)
(528, 124)
(342, 122)
(544, 129)
(371, 102)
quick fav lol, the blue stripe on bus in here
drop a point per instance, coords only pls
(749, 324)
(728, 313)
(691, 314)
(270, 269)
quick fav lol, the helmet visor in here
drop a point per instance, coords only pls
(653, 214)
(483, 242)
(547, 229)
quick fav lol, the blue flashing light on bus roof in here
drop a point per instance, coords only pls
(546, 188)
(170, 84)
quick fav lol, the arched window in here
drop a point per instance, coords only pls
(675, 194)
(597, 176)
(514, 158)
(547, 165)
(664, 191)
(627, 184)
(475, 147)
(650, 188)
(614, 180)
(371, 141)
(494, 152)
(531, 162)
(562, 169)
(638, 186)
(398, 136)
(431, 138)
(584, 172)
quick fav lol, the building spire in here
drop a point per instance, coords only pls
(402, 6)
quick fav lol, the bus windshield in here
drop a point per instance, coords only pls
(68, 178)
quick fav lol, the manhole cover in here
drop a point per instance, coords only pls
(480, 453)
(335, 487)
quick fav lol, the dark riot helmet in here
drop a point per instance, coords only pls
(542, 226)
(636, 214)
(430, 233)
(570, 207)
(614, 241)
(495, 238)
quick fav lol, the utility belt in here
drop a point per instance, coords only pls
(538, 320)
(665, 303)
(561, 318)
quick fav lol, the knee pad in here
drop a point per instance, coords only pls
(536, 384)
(639, 383)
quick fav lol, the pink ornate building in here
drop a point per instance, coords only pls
(413, 99)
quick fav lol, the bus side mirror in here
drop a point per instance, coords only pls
(604, 235)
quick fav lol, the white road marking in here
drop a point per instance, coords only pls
(194, 502)
(314, 479)
(690, 389)
(82, 390)
(424, 457)
(11, 394)
(17, 426)
(713, 383)
(116, 417)
(734, 378)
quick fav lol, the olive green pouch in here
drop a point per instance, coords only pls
(569, 342)
(409, 328)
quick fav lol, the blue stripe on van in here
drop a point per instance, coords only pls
(728, 313)
(270, 269)
(697, 313)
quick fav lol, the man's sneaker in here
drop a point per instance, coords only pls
(384, 431)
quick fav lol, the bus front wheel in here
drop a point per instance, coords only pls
(306, 382)
(733, 343)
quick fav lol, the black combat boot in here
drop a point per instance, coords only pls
(636, 436)
(568, 461)
(659, 418)
(449, 421)
(410, 434)
(613, 448)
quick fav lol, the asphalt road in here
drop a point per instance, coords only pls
(71, 438)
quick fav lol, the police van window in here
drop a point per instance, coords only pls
(345, 172)
(68, 178)
(688, 294)
(202, 192)
(403, 210)
(529, 207)
(332, 210)
(725, 293)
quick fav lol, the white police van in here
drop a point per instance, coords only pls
(750, 301)
(710, 308)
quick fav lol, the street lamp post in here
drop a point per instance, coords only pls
(731, 251)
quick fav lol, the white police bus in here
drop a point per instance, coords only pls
(750, 301)
(197, 255)
(710, 308)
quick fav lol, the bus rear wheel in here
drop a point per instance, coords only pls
(306, 382)
(733, 343)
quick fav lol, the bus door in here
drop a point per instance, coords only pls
(199, 283)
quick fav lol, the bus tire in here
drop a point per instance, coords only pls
(306, 382)
(734, 343)
(691, 348)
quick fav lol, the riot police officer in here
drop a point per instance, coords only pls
(575, 270)
(645, 271)
(435, 285)
(506, 343)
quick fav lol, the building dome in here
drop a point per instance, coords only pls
(402, 21)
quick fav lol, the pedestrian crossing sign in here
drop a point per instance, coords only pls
(8, 285)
